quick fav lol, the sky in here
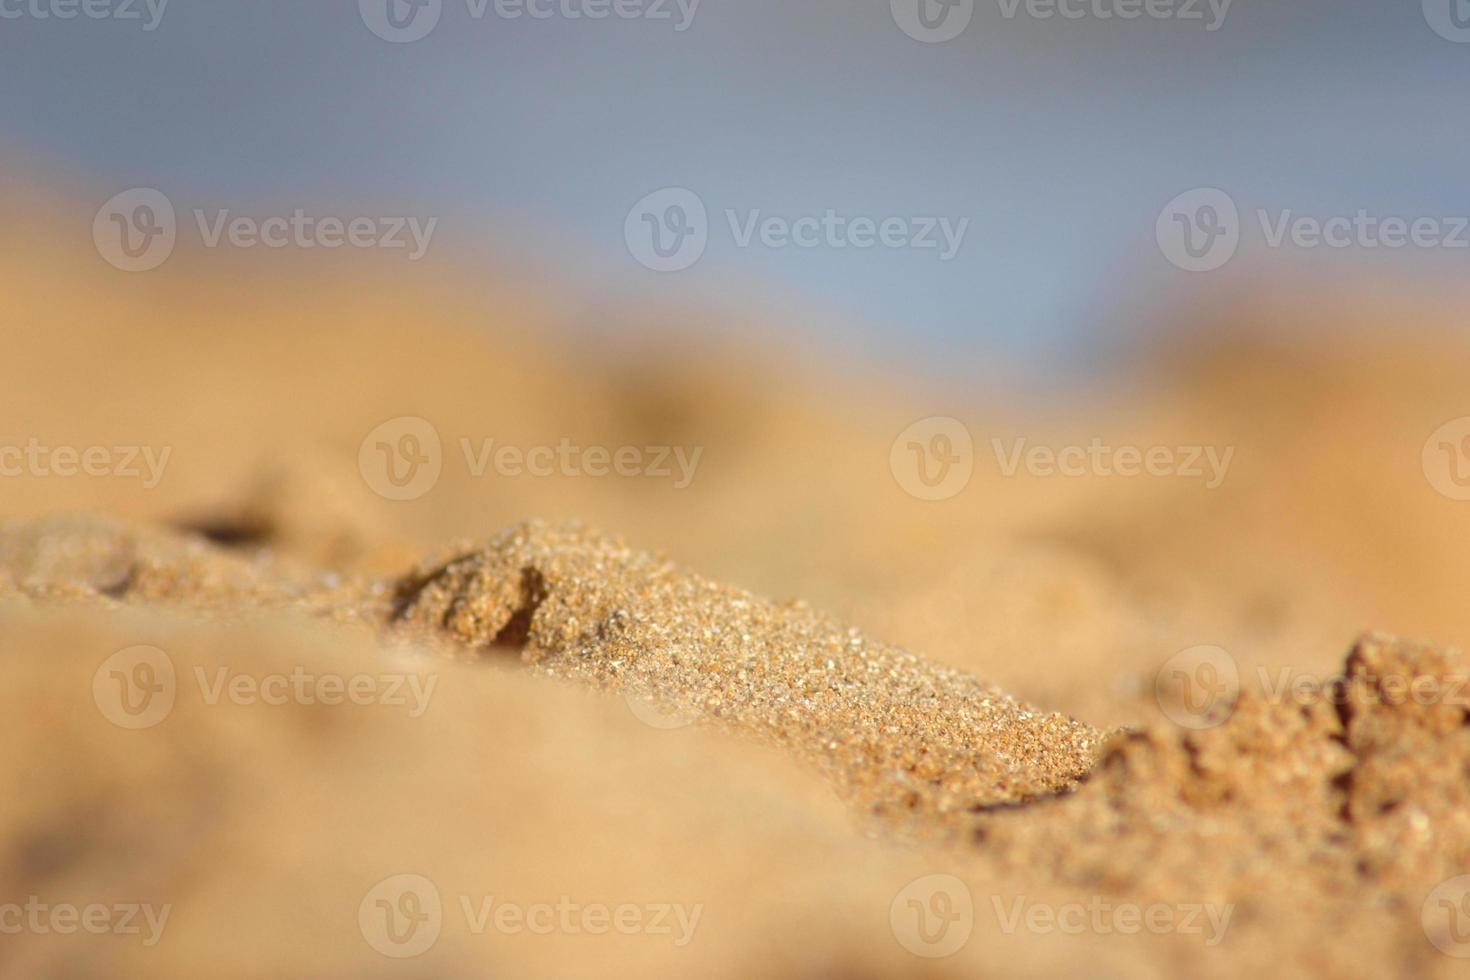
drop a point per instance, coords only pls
(829, 143)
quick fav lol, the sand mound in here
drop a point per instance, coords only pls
(1328, 828)
(1341, 804)
(897, 732)
(1356, 783)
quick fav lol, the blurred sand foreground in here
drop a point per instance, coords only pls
(459, 735)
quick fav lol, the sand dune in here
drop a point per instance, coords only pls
(1342, 809)
(922, 727)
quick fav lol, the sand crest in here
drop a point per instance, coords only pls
(895, 731)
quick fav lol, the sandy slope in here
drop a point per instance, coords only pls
(263, 549)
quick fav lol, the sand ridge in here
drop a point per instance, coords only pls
(896, 732)
(1353, 803)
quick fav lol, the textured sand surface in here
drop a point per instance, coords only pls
(1341, 811)
(963, 689)
(895, 731)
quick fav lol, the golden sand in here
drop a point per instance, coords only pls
(1354, 802)
(610, 727)
(895, 731)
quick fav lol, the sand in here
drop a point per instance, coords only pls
(895, 732)
(1348, 804)
(573, 696)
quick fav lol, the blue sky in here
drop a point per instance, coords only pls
(1058, 140)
